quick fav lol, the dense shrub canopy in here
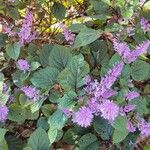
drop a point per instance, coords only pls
(74, 74)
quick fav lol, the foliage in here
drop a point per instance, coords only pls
(79, 56)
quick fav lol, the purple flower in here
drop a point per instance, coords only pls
(109, 110)
(128, 55)
(128, 108)
(110, 78)
(23, 65)
(3, 113)
(144, 127)
(109, 93)
(31, 92)
(131, 95)
(130, 31)
(140, 49)
(83, 117)
(26, 34)
(67, 112)
(9, 31)
(122, 49)
(69, 36)
(5, 88)
(130, 126)
(94, 106)
(145, 25)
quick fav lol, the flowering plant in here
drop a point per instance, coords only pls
(74, 73)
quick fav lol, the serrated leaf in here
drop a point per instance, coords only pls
(88, 142)
(140, 70)
(39, 140)
(86, 36)
(13, 50)
(103, 128)
(44, 78)
(59, 57)
(58, 11)
(72, 77)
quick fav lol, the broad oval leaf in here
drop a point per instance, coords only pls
(88, 142)
(39, 140)
(140, 70)
(86, 36)
(59, 57)
(120, 131)
(72, 77)
(58, 10)
(13, 50)
(44, 78)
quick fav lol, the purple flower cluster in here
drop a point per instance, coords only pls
(3, 113)
(145, 25)
(99, 103)
(69, 36)
(83, 117)
(26, 34)
(144, 127)
(128, 55)
(31, 92)
(131, 95)
(23, 65)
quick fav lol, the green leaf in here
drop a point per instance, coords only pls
(57, 120)
(72, 77)
(120, 131)
(3, 39)
(45, 53)
(2, 131)
(37, 105)
(59, 57)
(35, 65)
(58, 11)
(44, 78)
(14, 143)
(46, 110)
(27, 148)
(13, 13)
(67, 101)
(17, 113)
(88, 142)
(103, 128)
(52, 134)
(71, 136)
(3, 98)
(141, 105)
(3, 145)
(42, 122)
(140, 70)
(39, 140)
(86, 36)
(13, 50)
